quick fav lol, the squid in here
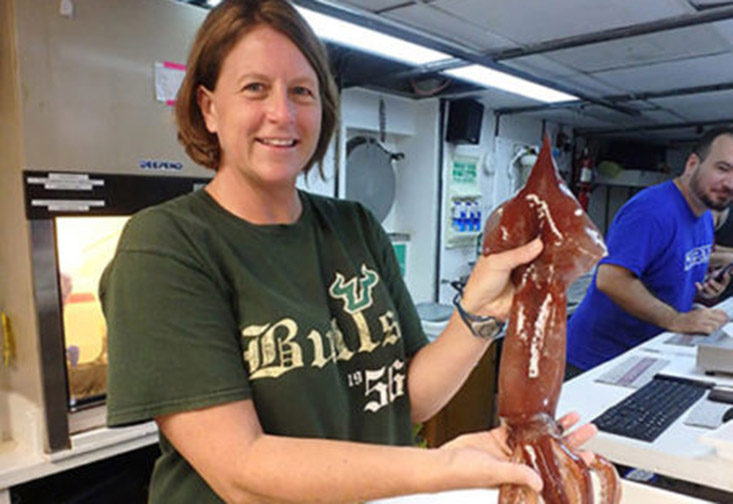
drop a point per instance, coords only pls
(532, 363)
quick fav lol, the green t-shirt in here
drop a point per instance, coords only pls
(311, 321)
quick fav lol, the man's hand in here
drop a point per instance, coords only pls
(715, 283)
(698, 321)
(627, 291)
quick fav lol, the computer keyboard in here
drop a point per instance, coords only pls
(646, 413)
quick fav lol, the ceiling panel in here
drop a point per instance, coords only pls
(702, 4)
(590, 85)
(446, 25)
(496, 98)
(540, 65)
(575, 118)
(676, 74)
(708, 106)
(725, 29)
(373, 5)
(554, 73)
(665, 116)
(616, 118)
(686, 57)
(531, 21)
(670, 45)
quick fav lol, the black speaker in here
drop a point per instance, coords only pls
(464, 121)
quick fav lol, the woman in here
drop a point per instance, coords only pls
(268, 331)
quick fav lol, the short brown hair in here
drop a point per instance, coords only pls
(703, 144)
(224, 26)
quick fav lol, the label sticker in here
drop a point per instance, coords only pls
(66, 182)
(168, 77)
(67, 205)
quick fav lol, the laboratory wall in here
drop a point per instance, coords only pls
(82, 93)
(422, 205)
(78, 92)
(91, 84)
(410, 128)
(612, 190)
(498, 157)
(15, 284)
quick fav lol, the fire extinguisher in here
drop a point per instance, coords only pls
(585, 178)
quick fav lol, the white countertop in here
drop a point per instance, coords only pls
(677, 452)
(21, 462)
(632, 493)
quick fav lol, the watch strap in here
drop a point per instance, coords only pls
(483, 327)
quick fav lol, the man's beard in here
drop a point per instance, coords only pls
(704, 197)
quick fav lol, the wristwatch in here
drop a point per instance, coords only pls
(480, 326)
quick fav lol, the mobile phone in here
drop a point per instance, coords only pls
(719, 275)
(721, 395)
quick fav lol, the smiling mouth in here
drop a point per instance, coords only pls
(278, 142)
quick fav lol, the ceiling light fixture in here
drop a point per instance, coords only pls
(485, 76)
(365, 39)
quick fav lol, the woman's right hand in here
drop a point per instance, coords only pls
(489, 290)
(483, 459)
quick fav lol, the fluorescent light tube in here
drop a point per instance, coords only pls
(365, 39)
(485, 76)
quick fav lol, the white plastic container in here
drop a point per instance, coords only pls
(722, 439)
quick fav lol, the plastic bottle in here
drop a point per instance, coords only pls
(469, 216)
(463, 219)
(456, 215)
(474, 216)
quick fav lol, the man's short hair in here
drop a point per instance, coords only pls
(702, 145)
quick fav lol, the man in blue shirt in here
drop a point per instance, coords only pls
(659, 245)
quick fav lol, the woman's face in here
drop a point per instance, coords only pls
(266, 109)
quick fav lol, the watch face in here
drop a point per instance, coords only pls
(488, 329)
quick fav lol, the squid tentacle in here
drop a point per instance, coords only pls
(610, 484)
(578, 480)
(579, 473)
(555, 488)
